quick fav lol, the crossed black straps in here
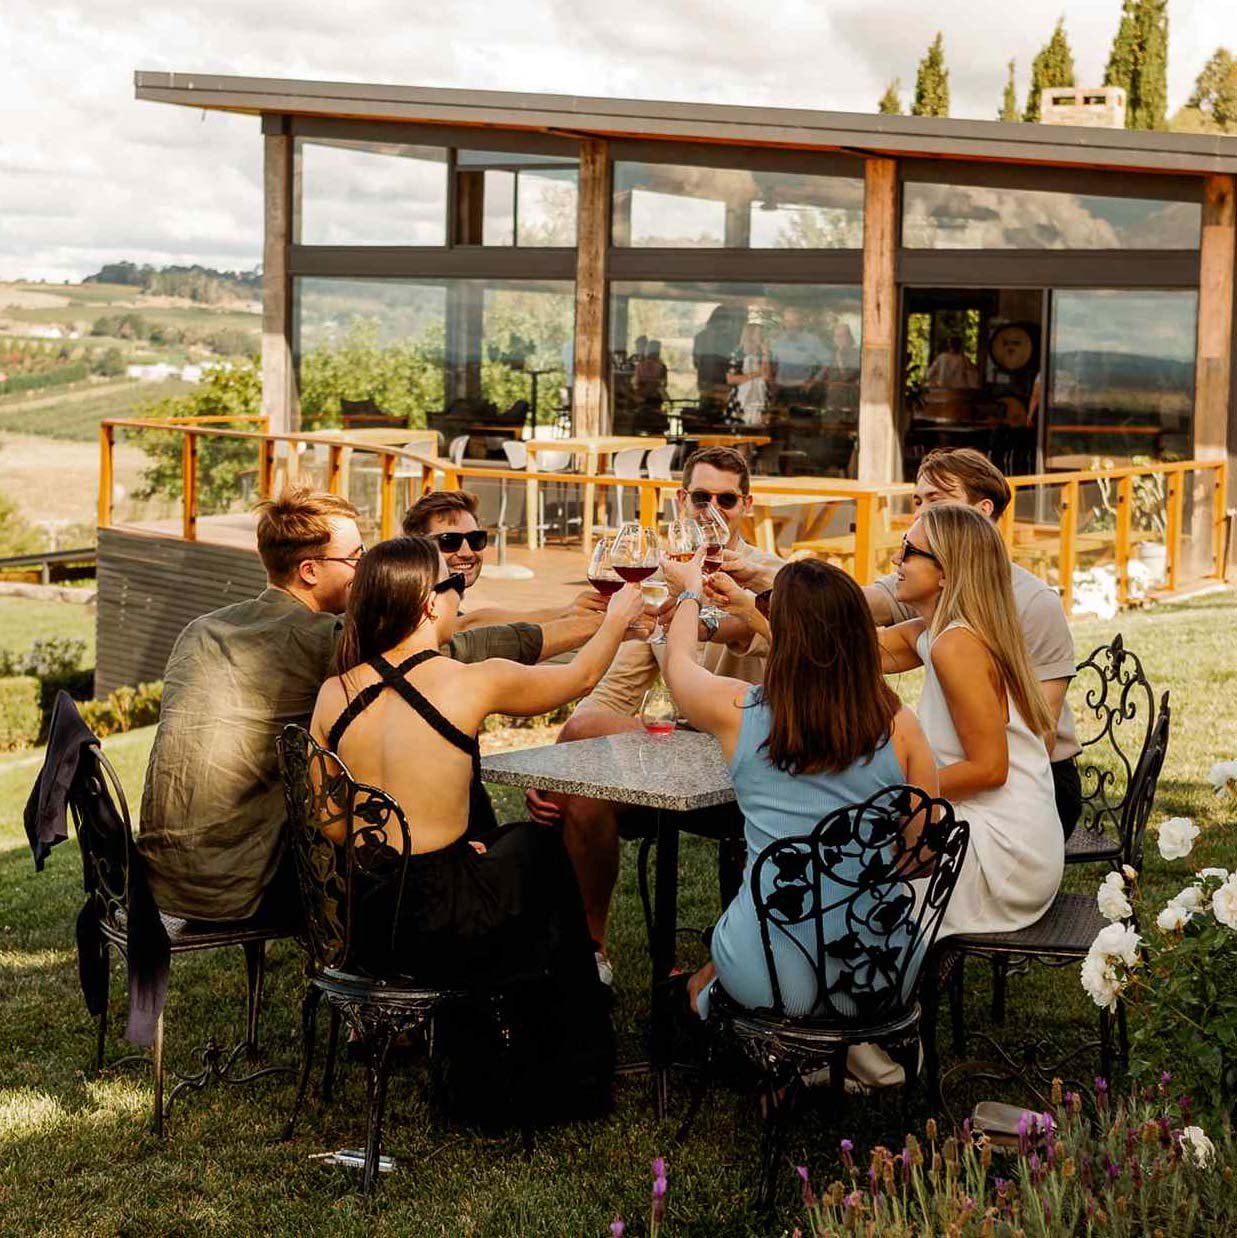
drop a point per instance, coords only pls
(393, 677)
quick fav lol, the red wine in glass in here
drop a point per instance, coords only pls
(605, 585)
(633, 573)
(712, 557)
(660, 728)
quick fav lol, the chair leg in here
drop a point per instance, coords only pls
(327, 1089)
(930, 1004)
(379, 1077)
(157, 1066)
(105, 957)
(309, 1018)
(907, 1056)
(1000, 973)
(957, 1014)
(777, 1116)
(642, 884)
(255, 973)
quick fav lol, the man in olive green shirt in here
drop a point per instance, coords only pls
(212, 810)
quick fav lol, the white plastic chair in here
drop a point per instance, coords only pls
(628, 464)
(456, 450)
(659, 465)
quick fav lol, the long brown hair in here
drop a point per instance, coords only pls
(387, 600)
(823, 684)
(978, 592)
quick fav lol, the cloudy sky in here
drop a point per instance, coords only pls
(89, 175)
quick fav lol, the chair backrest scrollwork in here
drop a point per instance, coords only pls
(861, 899)
(352, 851)
(1117, 721)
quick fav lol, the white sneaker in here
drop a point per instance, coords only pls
(605, 972)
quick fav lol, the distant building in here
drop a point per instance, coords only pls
(1095, 107)
(35, 332)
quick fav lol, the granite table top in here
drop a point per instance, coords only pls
(677, 772)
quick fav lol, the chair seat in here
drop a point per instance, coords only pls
(804, 1034)
(1086, 845)
(187, 935)
(1066, 930)
(398, 991)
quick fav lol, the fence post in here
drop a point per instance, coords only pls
(107, 435)
(648, 506)
(266, 468)
(388, 496)
(1121, 548)
(866, 507)
(189, 485)
(1172, 523)
(1069, 548)
(1219, 520)
(334, 468)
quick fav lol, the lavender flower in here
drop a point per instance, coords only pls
(617, 1227)
(847, 1149)
(809, 1196)
(659, 1167)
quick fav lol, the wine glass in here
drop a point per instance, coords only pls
(683, 539)
(633, 554)
(658, 711)
(716, 533)
(601, 573)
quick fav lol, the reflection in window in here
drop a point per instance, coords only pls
(1122, 376)
(777, 360)
(451, 354)
(978, 217)
(527, 199)
(678, 206)
(372, 193)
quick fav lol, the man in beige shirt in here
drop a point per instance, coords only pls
(717, 477)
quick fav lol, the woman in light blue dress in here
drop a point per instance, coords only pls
(822, 731)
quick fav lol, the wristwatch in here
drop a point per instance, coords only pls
(707, 617)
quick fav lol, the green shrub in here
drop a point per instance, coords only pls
(19, 712)
(53, 656)
(72, 373)
(126, 709)
(78, 684)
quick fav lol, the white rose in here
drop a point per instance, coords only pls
(1224, 903)
(1117, 941)
(1131, 874)
(1111, 899)
(1202, 1151)
(1222, 774)
(1173, 918)
(1099, 979)
(1177, 836)
(1189, 899)
(1222, 873)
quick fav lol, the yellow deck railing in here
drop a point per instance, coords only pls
(1056, 535)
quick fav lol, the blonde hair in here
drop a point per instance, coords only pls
(293, 526)
(752, 339)
(978, 592)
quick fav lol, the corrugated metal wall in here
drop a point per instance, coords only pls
(149, 588)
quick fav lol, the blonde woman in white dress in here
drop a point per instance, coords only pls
(984, 716)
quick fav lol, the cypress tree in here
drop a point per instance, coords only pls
(1009, 102)
(891, 101)
(1215, 90)
(1139, 62)
(932, 82)
(1054, 66)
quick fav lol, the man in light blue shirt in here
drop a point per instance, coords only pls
(798, 355)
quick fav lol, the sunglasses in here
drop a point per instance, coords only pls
(449, 543)
(909, 552)
(728, 500)
(450, 584)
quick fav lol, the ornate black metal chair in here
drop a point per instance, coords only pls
(323, 796)
(860, 899)
(1064, 933)
(110, 864)
(1115, 719)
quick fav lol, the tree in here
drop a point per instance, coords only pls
(1215, 90)
(932, 82)
(1009, 101)
(1138, 61)
(1054, 66)
(891, 101)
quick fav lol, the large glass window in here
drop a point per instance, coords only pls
(777, 362)
(1122, 376)
(679, 206)
(528, 200)
(985, 217)
(372, 193)
(466, 356)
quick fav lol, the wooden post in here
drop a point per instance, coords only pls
(649, 504)
(106, 445)
(1069, 548)
(866, 508)
(1121, 546)
(1219, 521)
(388, 496)
(189, 486)
(266, 468)
(880, 452)
(335, 468)
(1172, 534)
(280, 190)
(590, 391)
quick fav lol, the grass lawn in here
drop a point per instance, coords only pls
(24, 620)
(77, 1155)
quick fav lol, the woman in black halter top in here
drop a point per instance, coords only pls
(475, 914)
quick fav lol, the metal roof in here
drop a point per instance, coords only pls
(794, 128)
